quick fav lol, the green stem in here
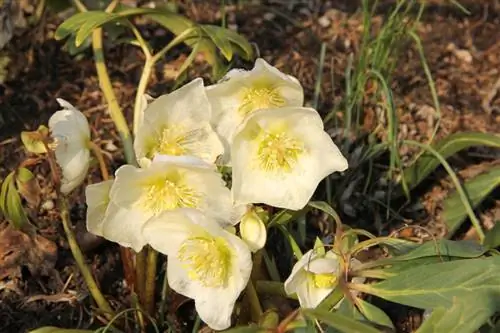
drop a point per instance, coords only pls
(253, 299)
(80, 261)
(150, 281)
(141, 89)
(463, 196)
(140, 274)
(273, 288)
(163, 301)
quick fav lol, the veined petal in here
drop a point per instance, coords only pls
(241, 93)
(206, 263)
(97, 198)
(280, 156)
(179, 124)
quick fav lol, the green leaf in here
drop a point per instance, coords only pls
(339, 322)
(447, 147)
(444, 248)
(492, 239)
(33, 141)
(93, 21)
(466, 315)
(72, 24)
(319, 247)
(243, 329)
(217, 35)
(10, 202)
(293, 244)
(240, 44)
(435, 285)
(477, 189)
(373, 314)
(51, 329)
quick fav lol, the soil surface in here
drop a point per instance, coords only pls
(39, 284)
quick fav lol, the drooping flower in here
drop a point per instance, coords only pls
(253, 228)
(178, 124)
(71, 135)
(313, 277)
(279, 156)
(106, 219)
(169, 183)
(242, 92)
(205, 262)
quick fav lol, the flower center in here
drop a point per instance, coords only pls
(260, 98)
(169, 142)
(207, 260)
(167, 193)
(325, 280)
(278, 151)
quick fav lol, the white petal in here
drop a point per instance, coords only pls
(186, 160)
(298, 274)
(70, 123)
(124, 226)
(310, 296)
(97, 198)
(293, 188)
(126, 190)
(182, 118)
(253, 231)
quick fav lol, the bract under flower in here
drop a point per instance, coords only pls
(280, 155)
(178, 124)
(71, 134)
(313, 278)
(205, 262)
(242, 92)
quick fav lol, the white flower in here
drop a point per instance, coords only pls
(205, 262)
(105, 219)
(313, 277)
(279, 157)
(169, 183)
(71, 134)
(253, 229)
(242, 92)
(178, 124)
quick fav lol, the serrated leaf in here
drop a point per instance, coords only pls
(339, 322)
(33, 140)
(11, 204)
(447, 147)
(374, 314)
(477, 189)
(51, 329)
(492, 239)
(435, 285)
(219, 38)
(466, 315)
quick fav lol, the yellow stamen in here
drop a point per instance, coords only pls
(260, 97)
(169, 141)
(166, 193)
(278, 151)
(325, 280)
(207, 260)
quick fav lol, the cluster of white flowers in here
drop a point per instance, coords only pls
(176, 200)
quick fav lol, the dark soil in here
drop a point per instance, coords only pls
(462, 51)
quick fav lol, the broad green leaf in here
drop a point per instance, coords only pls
(33, 141)
(466, 315)
(492, 239)
(435, 285)
(373, 314)
(396, 267)
(447, 147)
(477, 189)
(51, 329)
(72, 24)
(444, 248)
(217, 35)
(240, 44)
(93, 22)
(11, 204)
(340, 322)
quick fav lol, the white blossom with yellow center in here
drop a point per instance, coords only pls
(313, 277)
(178, 124)
(205, 262)
(71, 137)
(169, 183)
(279, 156)
(240, 93)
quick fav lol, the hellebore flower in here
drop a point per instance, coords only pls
(242, 92)
(253, 228)
(71, 135)
(178, 124)
(313, 278)
(279, 156)
(205, 262)
(169, 183)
